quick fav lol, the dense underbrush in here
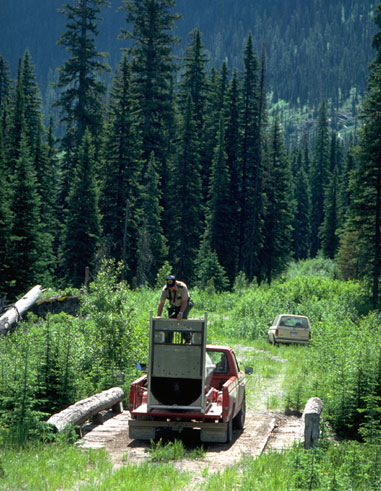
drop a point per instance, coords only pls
(48, 364)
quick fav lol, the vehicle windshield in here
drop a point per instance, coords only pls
(291, 321)
(220, 361)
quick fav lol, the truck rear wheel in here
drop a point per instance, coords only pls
(229, 431)
(239, 420)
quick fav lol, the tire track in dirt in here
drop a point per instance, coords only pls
(263, 429)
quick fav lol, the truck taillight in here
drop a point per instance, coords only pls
(276, 332)
(225, 403)
(132, 397)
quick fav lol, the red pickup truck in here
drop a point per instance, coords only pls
(188, 385)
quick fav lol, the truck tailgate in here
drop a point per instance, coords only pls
(214, 411)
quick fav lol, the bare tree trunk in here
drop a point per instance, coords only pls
(83, 410)
(15, 312)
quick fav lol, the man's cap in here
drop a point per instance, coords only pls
(171, 280)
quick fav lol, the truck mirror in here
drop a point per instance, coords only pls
(248, 370)
(141, 366)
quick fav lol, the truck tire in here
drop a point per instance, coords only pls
(239, 420)
(229, 431)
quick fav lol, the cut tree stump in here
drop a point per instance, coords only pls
(82, 411)
(311, 419)
(15, 312)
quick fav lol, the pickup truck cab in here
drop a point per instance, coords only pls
(189, 385)
(289, 329)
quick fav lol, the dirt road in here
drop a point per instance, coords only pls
(263, 429)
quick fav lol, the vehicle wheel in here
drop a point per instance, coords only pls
(239, 420)
(229, 431)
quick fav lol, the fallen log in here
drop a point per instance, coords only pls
(15, 311)
(311, 420)
(81, 411)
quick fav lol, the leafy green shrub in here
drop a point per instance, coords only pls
(116, 327)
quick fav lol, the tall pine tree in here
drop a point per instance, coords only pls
(250, 239)
(318, 178)
(152, 247)
(121, 172)
(279, 206)
(82, 225)
(364, 222)
(150, 24)
(5, 224)
(232, 147)
(81, 87)
(27, 246)
(301, 236)
(185, 203)
(219, 213)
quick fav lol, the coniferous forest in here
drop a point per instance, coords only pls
(239, 151)
(181, 162)
(177, 162)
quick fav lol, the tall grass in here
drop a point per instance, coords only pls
(65, 467)
(332, 466)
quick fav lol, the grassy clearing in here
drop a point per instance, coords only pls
(65, 467)
(50, 467)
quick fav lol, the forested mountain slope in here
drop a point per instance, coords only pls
(316, 49)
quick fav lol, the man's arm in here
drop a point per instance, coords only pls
(160, 308)
(182, 308)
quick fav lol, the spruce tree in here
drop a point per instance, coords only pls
(51, 187)
(194, 80)
(32, 103)
(5, 224)
(121, 172)
(251, 172)
(27, 246)
(277, 227)
(47, 182)
(185, 203)
(82, 225)
(16, 126)
(329, 228)
(5, 90)
(219, 212)
(301, 236)
(214, 105)
(365, 210)
(318, 179)
(81, 87)
(152, 247)
(209, 272)
(149, 27)
(232, 148)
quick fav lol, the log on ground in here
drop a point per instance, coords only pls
(311, 419)
(82, 411)
(15, 312)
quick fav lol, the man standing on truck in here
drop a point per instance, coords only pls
(178, 297)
